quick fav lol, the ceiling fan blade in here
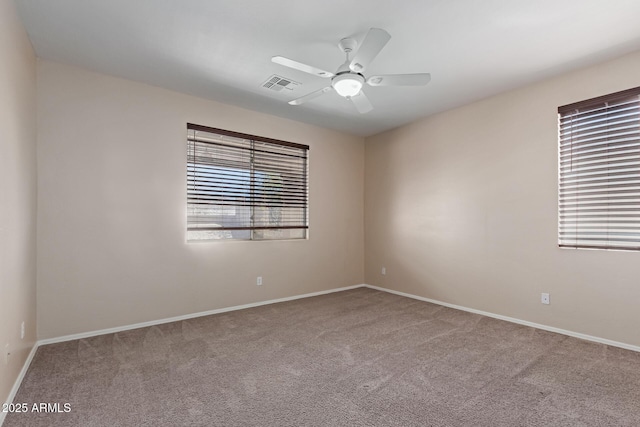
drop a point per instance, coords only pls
(362, 103)
(372, 44)
(400, 80)
(310, 96)
(300, 66)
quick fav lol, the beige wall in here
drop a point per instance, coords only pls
(111, 208)
(461, 207)
(17, 195)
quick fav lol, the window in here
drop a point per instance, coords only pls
(243, 186)
(599, 172)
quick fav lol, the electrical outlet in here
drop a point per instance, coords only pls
(544, 298)
(22, 330)
(259, 281)
(384, 271)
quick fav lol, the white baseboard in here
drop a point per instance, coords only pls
(16, 384)
(513, 320)
(187, 316)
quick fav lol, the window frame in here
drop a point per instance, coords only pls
(597, 183)
(253, 199)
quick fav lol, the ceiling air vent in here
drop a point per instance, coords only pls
(277, 83)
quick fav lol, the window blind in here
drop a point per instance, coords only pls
(599, 172)
(242, 186)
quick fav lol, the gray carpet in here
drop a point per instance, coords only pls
(353, 358)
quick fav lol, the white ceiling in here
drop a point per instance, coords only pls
(222, 49)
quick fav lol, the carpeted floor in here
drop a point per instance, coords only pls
(353, 358)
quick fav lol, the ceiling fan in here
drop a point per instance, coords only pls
(348, 80)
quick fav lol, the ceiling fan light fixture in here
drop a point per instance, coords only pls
(348, 84)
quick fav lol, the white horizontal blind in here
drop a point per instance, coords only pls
(243, 186)
(599, 172)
